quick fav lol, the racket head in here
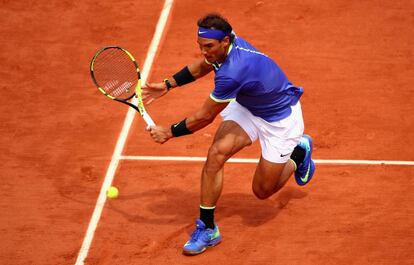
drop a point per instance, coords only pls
(115, 73)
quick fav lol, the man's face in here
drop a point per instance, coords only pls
(214, 50)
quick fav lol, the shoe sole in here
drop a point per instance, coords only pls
(193, 253)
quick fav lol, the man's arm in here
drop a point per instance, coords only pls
(200, 119)
(152, 91)
(198, 69)
(205, 115)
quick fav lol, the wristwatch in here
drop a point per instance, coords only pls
(168, 84)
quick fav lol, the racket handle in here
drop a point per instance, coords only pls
(148, 119)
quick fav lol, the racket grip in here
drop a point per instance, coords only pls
(148, 119)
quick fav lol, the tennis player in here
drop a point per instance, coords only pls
(256, 101)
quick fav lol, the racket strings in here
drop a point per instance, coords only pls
(116, 73)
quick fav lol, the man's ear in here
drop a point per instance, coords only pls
(226, 40)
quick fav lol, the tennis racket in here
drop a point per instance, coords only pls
(116, 74)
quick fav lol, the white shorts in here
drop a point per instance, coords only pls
(277, 139)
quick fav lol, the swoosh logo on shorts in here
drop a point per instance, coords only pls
(202, 32)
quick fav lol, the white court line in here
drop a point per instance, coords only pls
(116, 156)
(253, 160)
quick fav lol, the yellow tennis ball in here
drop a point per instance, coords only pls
(112, 192)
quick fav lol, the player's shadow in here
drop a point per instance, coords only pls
(255, 212)
(176, 206)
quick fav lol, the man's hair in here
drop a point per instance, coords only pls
(216, 21)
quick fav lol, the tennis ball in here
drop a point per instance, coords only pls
(112, 192)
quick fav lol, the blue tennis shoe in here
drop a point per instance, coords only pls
(201, 239)
(305, 170)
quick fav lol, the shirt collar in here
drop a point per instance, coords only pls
(217, 65)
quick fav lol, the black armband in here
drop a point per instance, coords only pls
(183, 77)
(180, 129)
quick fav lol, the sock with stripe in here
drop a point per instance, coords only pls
(207, 216)
(298, 155)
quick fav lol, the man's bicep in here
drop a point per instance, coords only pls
(205, 115)
(206, 67)
(199, 68)
(214, 107)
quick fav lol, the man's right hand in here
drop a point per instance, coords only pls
(160, 134)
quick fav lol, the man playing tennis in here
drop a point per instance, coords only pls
(256, 101)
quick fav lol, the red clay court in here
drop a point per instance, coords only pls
(59, 136)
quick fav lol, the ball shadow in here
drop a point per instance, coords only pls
(176, 206)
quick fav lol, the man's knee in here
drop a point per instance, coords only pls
(217, 154)
(263, 191)
(215, 159)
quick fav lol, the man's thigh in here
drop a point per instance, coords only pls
(229, 139)
(267, 173)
